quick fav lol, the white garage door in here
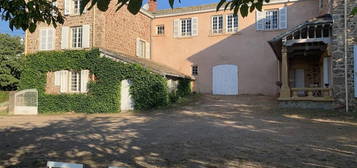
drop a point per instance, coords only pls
(225, 80)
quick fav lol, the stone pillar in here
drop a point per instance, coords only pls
(285, 89)
(326, 71)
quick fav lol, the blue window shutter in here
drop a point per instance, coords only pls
(355, 68)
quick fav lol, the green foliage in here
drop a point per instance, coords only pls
(4, 96)
(134, 6)
(11, 50)
(26, 14)
(148, 89)
(354, 11)
(184, 88)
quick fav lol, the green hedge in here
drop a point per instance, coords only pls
(148, 89)
(4, 96)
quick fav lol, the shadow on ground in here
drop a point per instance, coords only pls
(214, 132)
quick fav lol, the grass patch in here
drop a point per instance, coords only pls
(4, 96)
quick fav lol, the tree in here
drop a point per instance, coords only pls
(354, 11)
(11, 49)
(26, 14)
(242, 6)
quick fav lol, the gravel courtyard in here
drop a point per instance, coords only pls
(212, 132)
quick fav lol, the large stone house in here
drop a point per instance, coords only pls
(293, 48)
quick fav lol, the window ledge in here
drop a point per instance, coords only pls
(159, 35)
(184, 37)
(275, 30)
(224, 34)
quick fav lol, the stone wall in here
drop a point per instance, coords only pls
(121, 29)
(32, 39)
(111, 30)
(337, 48)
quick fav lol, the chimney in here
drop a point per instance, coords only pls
(152, 5)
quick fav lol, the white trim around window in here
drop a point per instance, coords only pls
(142, 48)
(217, 24)
(231, 23)
(76, 37)
(47, 39)
(72, 81)
(186, 27)
(272, 19)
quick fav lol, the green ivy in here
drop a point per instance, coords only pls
(148, 89)
(184, 88)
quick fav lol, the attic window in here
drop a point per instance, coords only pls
(194, 70)
(160, 29)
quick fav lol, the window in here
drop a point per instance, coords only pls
(321, 3)
(141, 49)
(186, 27)
(232, 23)
(72, 81)
(47, 39)
(75, 81)
(271, 19)
(160, 30)
(77, 37)
(76, 6)
(194, 70)
(217, 24)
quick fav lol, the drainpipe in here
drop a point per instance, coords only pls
(346, 69)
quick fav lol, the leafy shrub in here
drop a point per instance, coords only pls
(4, 96)
(148, 89)
(184, 87)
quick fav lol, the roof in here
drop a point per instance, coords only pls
(153, 66)
(276, 42)
(185, 9)
(314, 21)
(201, 8)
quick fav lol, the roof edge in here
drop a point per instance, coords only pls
(126, 58)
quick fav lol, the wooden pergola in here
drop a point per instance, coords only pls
(310, 38)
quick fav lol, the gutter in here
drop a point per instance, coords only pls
(346, 61)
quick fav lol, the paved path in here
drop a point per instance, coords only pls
(214, 132)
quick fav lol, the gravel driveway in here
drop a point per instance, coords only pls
(213, 132)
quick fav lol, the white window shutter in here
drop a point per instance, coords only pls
(260, 20)
(43, 39)
(64, 81)
(226, 22)
(137, 47)
(283, 18)
(148, 53)
(177, 26)
(194, 26)
(86, 36)
(65, 37)
(67, 7)
(50, 39)
(57, 78)
(355, 67)
(84, 80)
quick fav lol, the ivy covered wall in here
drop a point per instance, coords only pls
(148, 89)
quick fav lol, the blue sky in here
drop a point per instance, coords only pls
(162, 4)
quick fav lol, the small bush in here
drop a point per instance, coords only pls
(4, 96)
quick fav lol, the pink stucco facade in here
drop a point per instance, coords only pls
(248, 49)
